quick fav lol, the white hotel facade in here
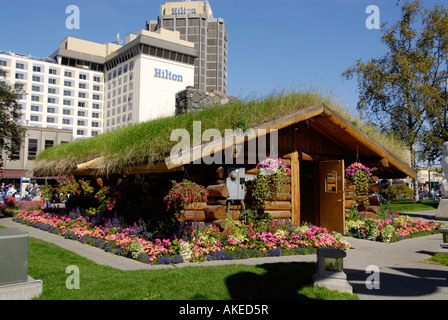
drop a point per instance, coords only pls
(87, 88)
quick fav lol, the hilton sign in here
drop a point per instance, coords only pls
(183, 10)
(166, 74)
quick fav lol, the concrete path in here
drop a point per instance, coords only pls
(402, 274)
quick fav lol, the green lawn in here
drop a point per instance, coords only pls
(409, 205)
(48, 262)
(441, 258)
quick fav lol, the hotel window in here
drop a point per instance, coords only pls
(96, 106)
(125, 68)
(34, 118)
(51, 81)
(82, 76)
(52, 90)
(49, 143)
(65, 121)
(15, 151)
(81, 123)
(96, 79)
(68, 74)
(66, 111)
(81, 114)
(35, 108)
(81, 95)
(82, 86)
(34, 98)
(50, 120)
(51, 110)
(32, 149)
(36, 69)
(96, 88)
(80, 132)
(52, 71)
(95, 124)
(3, 63)
(95, 115)
(20, 76)
(95, 133)
(35, 88)
(81, 104)
(51, 100)
(20, 65)
(67, 102)
(67, 83)
(96, 97)
(67, 93)
(36, 78)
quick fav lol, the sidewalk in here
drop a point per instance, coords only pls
(402, 274)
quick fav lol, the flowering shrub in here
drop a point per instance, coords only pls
(390, 229)
(182, 194)
(271, 180)
(79, 193)
(196, 243)
(359, 174)
(10, 202)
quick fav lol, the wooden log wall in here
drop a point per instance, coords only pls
(213, 178)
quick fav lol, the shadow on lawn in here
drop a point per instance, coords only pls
(280, 282)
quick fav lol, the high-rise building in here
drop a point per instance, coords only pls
(195, 22)
(89, 87)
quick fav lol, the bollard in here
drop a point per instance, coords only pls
(330, 270)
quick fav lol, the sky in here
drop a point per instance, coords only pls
(274, 45)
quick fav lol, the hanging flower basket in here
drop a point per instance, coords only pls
(271, 180)
(185, 195)
(359, 175)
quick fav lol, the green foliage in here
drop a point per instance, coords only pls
(11, 132)
(404, 91)
(257, 218)
(397, 191)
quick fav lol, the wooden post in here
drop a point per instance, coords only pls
(295, 188)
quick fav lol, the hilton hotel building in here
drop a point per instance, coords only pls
(195, 22)
(86, 88)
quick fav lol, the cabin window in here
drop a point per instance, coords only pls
(330, 182)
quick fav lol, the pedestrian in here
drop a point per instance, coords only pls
(34, 192)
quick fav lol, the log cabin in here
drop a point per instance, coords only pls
(316, 143)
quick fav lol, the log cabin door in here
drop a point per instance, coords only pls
(331, 195)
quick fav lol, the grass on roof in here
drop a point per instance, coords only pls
(148, 142)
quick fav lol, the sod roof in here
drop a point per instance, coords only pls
(149, 143)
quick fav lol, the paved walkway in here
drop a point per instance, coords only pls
(403, 274)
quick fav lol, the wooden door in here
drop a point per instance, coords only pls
(331, 195)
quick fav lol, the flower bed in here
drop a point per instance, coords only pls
(388, 227)
(195, 243)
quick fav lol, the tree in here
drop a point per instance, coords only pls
(403, 91)
(11, 132)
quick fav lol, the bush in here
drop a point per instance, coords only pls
(397, 191)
